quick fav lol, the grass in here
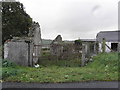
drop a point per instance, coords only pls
(103, 68)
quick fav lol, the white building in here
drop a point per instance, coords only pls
(112, 39)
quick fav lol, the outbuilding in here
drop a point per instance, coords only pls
(112, 39)
(24, 51)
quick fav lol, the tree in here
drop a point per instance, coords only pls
(78, 45)
(15, 21)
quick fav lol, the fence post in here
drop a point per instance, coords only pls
(83, 55)
(119, 47)
(103, 45)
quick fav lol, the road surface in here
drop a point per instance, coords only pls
(91, 84)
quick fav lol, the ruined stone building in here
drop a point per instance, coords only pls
(56, 47)
(70, 50)
(24, 51)
(90, 46)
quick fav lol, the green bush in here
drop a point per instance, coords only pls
(7, 63)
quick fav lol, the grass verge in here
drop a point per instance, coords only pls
(103, 68)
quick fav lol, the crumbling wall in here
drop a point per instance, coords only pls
(37, 43)
(56, 47)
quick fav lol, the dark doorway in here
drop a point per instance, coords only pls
(114, 46)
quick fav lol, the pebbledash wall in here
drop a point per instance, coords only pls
(23, 50)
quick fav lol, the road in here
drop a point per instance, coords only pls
(91, 84)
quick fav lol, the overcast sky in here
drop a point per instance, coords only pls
(73, 19)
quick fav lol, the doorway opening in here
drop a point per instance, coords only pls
(114, 46)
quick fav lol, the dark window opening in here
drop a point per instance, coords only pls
(114, 46)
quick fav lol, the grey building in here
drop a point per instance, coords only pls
(24, 51)
(112, 39)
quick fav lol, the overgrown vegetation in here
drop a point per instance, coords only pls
(103, 68)
(47, 59)
(10, 69)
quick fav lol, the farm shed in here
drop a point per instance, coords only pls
(112, 39)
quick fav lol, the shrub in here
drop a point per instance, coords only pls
(7, 63)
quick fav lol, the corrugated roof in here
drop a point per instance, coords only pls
(88, 40)
(109, 36)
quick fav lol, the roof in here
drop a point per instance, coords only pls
(88, 40)
(110, 36)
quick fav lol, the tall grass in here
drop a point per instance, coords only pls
(106, 60)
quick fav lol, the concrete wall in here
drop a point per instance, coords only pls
(31, 54)
(18, 52)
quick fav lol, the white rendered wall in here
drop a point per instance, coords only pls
(106, 48)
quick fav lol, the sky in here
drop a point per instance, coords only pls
(73, 19)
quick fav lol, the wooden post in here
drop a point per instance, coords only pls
(83, 55)
(103, 45)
